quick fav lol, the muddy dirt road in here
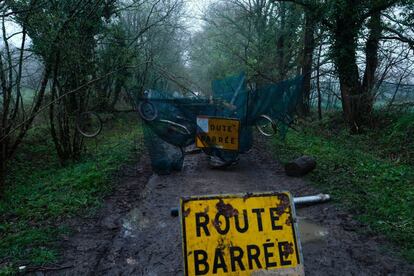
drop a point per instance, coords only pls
(134, 233)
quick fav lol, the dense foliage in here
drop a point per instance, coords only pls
(59, 59)
(83, 55)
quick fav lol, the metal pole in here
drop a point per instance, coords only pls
(304, 200)
(311, 199)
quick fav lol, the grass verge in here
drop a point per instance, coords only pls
(365, 179)
(40, 193)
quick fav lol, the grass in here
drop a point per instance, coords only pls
(371, 174)
(390, 137)
(41, 194)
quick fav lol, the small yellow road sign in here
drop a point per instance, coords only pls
(250, 234)
(222, 133)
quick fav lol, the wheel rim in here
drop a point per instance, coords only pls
(261, 128)
(147, 111)
(82, 121)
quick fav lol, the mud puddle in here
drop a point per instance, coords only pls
(134, 222)
(311, 232)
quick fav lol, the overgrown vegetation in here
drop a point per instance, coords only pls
(372, 174)
(65, 58)
(345, 50)
(59, 60)
(40, 193)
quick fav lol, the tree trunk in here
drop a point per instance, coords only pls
(395, 93)
(2, 173)
(118, 88)
(309, 45)
(53, 94)
(371, 53)
(350, 90)
(318, 81)
(344, 51)
(280, 45)
(357, 99)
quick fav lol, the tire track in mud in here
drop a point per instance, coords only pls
(134, 233)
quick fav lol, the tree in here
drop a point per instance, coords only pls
(112, 51)
(16, 113)
(345, 21)
(63, 35)
(155, 40)
(308, 48)
(264, 41)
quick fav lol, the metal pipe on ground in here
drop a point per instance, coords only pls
(313, 199)
(298, 201)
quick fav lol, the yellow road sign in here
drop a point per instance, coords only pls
(250, 234)
(222, 133)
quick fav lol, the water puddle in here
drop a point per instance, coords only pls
(310, 231)
(137, 221)
(134, 222)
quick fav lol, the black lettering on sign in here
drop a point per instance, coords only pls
(219, 262)
(274, 218)
(253, 253)
(212, 127)
(201, 266)
(268, 254)
(202, 221)
(220, 139)
(229, 128)
(236, 256)
(218, 226)
(258, 213)
(284, 251)
(245, 223)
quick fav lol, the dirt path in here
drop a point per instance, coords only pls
(135, 234)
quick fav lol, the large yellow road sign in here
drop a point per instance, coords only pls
(222, 133)
(251, 234)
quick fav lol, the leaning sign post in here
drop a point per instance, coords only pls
(247, 234)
